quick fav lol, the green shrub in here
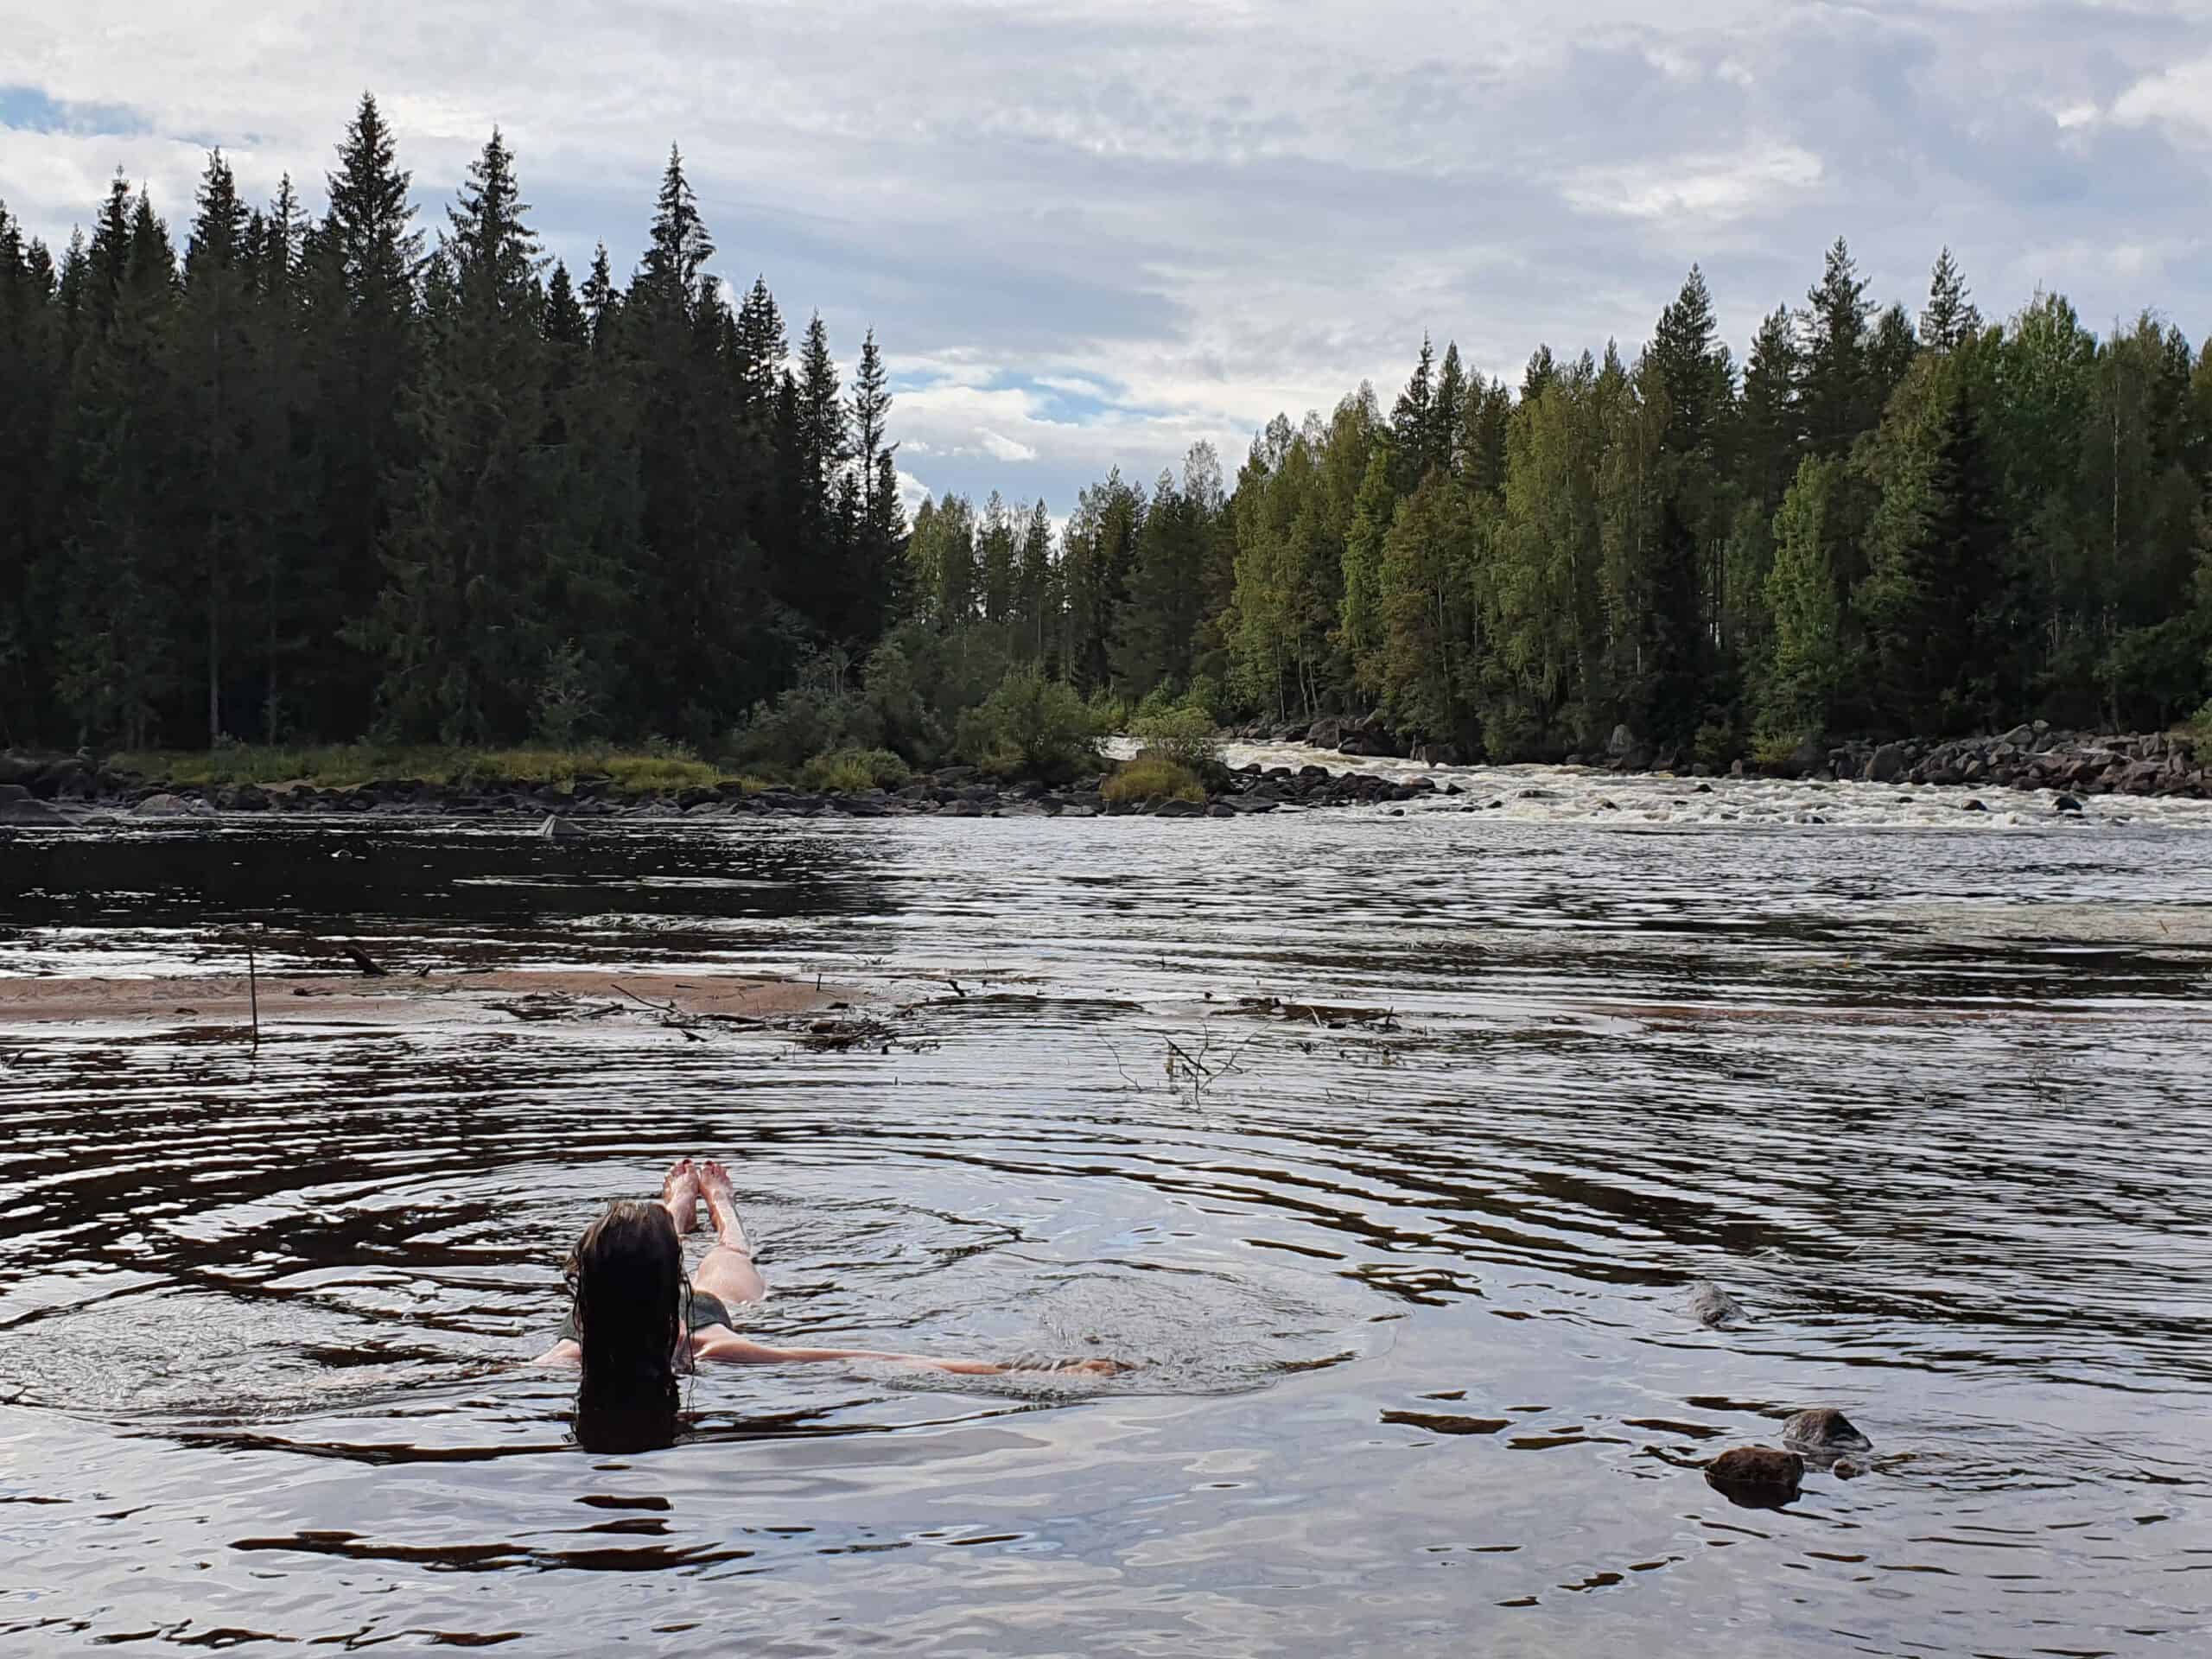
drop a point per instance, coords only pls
(1158, 700)
(1206, 694)
(806, 722)
(1185, 735)
(1108, 713)
(854, 771)
(1772, 751)
(1153, 777)
(1716, 745)
(1031, 726)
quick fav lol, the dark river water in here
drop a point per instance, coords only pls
(1407, 1296)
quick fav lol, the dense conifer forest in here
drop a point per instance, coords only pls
(339, 479)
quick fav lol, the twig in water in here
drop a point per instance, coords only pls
(657, 1007)
(253, 992)
(360, 960)
(1123, 1070)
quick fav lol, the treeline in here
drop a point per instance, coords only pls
(325, 479)
(1876, 525)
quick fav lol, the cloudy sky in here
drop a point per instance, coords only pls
(1090, 231)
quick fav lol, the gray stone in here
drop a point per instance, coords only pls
(20, 810)
(1757, 1474)
(558, 830)
(1713, 1305)
(1178, 810)
(1620, 742)
(1824, 1429)
(165, 805)
(1888, 764)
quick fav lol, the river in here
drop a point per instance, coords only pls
(1386, 1147)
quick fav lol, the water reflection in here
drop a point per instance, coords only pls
(1409, 1293)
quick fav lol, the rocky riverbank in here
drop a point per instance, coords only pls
(59, 791)
(2028, 757)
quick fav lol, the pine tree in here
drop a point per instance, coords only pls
(1361, 631)
(120, 656)
(215, 364)
(1799, 685)
(1836, 395)
(1937, 546)
(679, 246)
(1442, 438)
(1413, 421)
(996, 557)
(761, 347)
(32, 367)
(1950, 319)
(364, 262)
(1424, 664)
(1036, 617)
(602, 301)
(459, 621)
(1693, 368)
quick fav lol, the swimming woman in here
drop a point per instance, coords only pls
(634, 1321)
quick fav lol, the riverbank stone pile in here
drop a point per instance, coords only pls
(2028, 757)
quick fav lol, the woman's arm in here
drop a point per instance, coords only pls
(720, 1342)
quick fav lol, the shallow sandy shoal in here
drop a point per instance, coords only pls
(401, 999)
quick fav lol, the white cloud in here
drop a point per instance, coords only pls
(1164, 221)
(1000, 447)
(2179, 96)
(1719, 187)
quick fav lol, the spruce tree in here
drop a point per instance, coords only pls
(229, 472)
(1036, 621)
(1836, 393)
(1950, 319)
(1937, 548)
(1413, 421)
(365, 260)
(459, 621)
(1799, 684)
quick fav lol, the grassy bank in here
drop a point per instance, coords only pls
(345, 766)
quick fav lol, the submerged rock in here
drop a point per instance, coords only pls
(164, 806)
(1757, 1474)
(19, 806)
(2066, 804)
(1824, 1430)
(1713, 1305)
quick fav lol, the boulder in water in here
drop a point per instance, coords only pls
(559, 830)
(164, 805)
(1825, 1431)
(1888, 764)
(1757, 1475)
(1713, 1305)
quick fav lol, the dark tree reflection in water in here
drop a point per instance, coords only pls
(1405, 1263)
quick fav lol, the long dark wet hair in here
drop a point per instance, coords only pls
(626, 1277)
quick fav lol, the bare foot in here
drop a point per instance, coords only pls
(679, 1191)
(714, 1181)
